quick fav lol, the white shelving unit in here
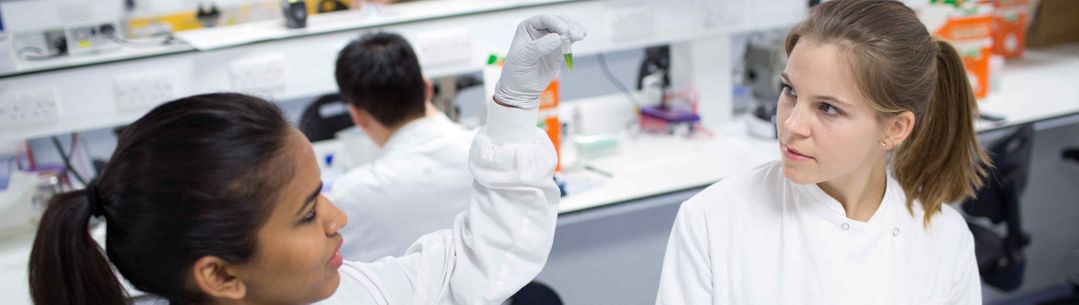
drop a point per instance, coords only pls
(87, 89)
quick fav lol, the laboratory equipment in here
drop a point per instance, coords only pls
(324, 117)
(653, 76)
(325, 6)
(663, 110)
(295, 13)
(90, 38)
(7, 52)
(208, 17)
(445, 93)
(667, 119)
(22, 202)
(764, 62)
(49, 28)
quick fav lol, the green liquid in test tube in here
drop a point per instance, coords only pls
(567, 53)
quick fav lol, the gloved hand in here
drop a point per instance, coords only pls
(534, 58)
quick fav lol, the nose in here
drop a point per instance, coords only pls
(336, 220)
(793, 121)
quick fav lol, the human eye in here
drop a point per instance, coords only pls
(311, 215)
(788, 90)
(829, 109)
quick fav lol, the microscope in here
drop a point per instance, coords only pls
(763, 67)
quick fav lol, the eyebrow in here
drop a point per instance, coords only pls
(310, 198)
(818, 97)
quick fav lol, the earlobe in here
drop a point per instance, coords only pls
(218, 279)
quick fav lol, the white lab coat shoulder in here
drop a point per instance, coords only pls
(707, 223)
(753, 194)
(422, 175)
(944, 248)
(495, 248)
(758, 238)
(429, 149)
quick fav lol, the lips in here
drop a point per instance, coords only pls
(793, 154)
(336, 260)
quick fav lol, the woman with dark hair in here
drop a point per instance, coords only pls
(876, 133)
(214, 199)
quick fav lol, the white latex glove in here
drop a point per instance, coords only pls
(534, 58)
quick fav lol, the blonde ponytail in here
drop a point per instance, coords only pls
(942, 161)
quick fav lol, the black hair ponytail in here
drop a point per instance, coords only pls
(66, 265)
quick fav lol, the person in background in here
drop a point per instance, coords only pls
(214, 199)
(420, 181)
(876, 130)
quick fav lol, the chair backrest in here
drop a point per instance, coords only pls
(535, 293)
(1001, 262)
(1007, 178)
(319, 125)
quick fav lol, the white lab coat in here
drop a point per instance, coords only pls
(418, 185)
(758, 238)
(495, 248)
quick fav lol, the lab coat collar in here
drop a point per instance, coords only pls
(419, 131)
(832, 210)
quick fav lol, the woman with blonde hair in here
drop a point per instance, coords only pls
(876, 130)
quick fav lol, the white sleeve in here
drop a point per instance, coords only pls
(687, 271)
(497, 246)
(968, 284)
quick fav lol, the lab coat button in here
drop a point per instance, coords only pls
(895, 232)
(845, 226)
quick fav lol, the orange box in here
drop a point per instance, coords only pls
(970, 32)
(1009, 27)
(548, 118)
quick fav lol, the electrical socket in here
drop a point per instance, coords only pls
(258, 75)
(138, 92)
(445, 47)
(29, 108)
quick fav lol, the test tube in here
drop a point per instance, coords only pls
(567, 52)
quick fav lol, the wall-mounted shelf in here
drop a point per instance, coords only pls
(96, 91)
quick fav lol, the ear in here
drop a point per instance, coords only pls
(898, 129)
(359, 117)
(428, 89)
(218, 279)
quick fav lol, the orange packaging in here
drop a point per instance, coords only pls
(548, 118)
(1009, 27)
(969, 30)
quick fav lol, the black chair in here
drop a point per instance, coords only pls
(535, 293)
(1071, 263)
(1001, 262)
(1071, 153)
(319, 124)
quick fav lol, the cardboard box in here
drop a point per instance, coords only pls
(1055, 22)
(1009, 27)
(968, 27)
